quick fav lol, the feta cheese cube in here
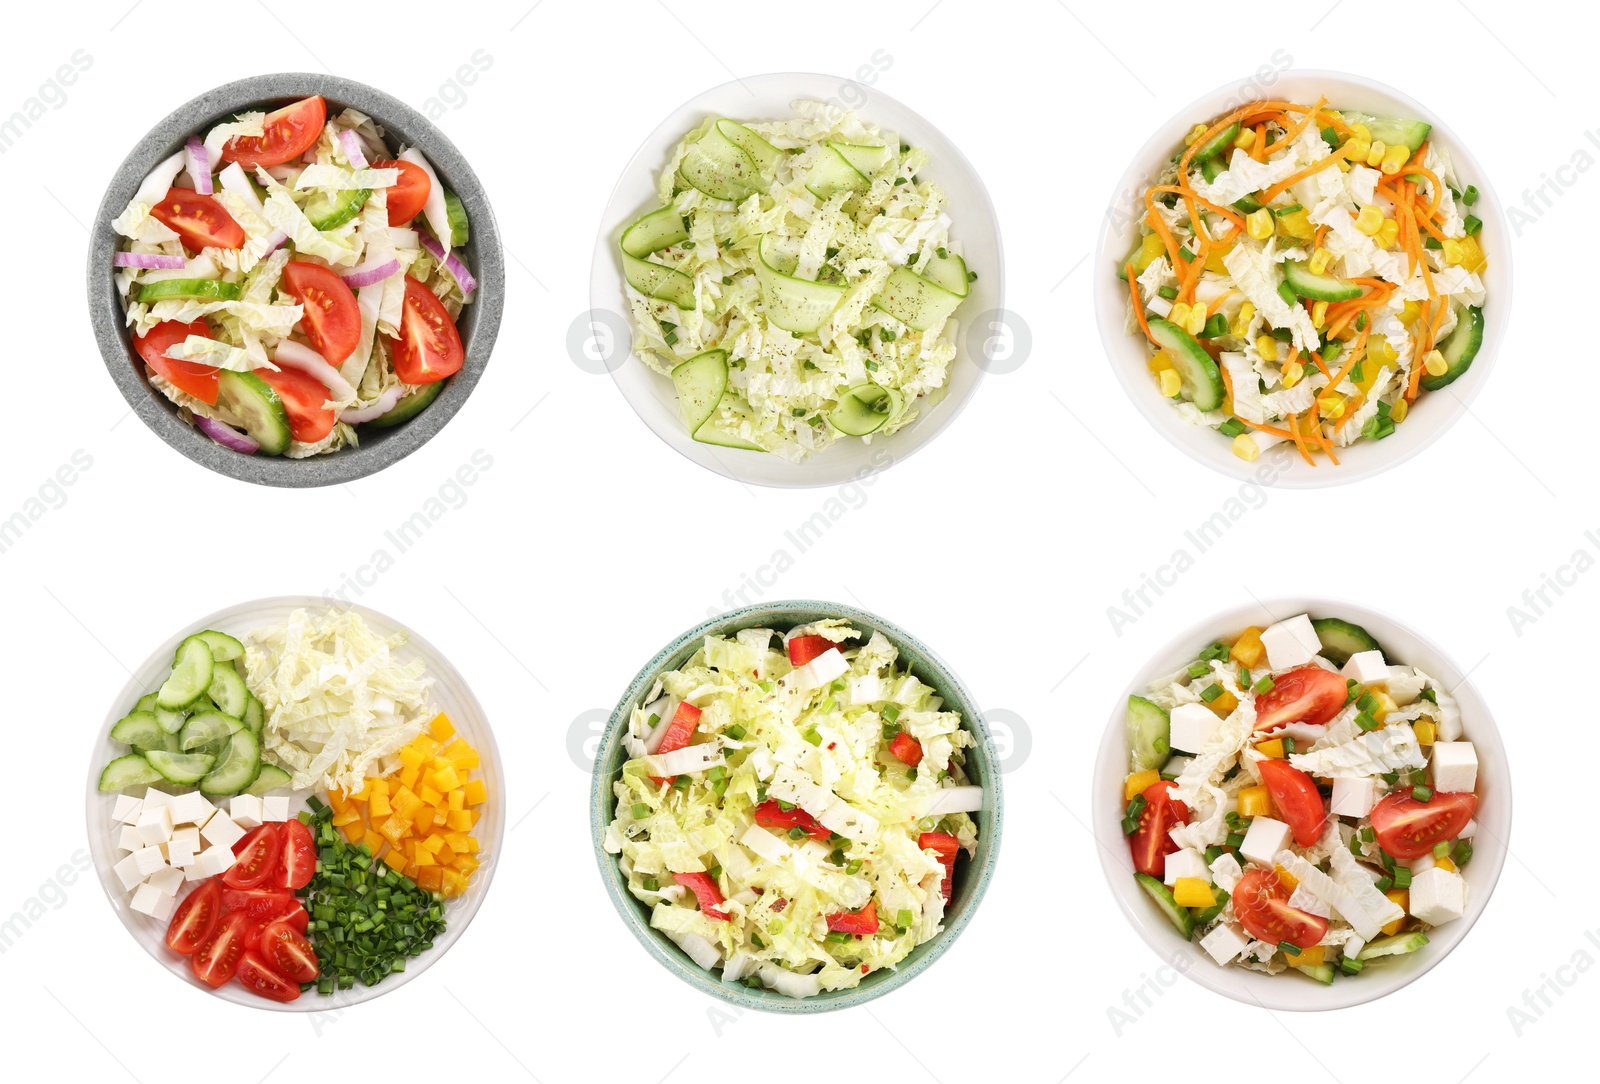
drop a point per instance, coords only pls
(1455, 766)
(154, 797)
(154, 825)
(275, 807)
(128, 838)
(214, 860)
(1290, 643)
(1353, 797)
(147, 899)
(127, 872)
(191, 808)
(1405, 684)
(188, 834)
(245, 809)
(1192, 727)
(127, 809)
(1226, 872)
(147, 860)
(1366, 667)
(1264, 840)
(166, 881)
(1186, 862)
(221, 830)
(1224, 943)
(1438, 896)
(180, 854)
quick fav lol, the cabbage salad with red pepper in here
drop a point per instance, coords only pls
(287, 278)
(793, 816)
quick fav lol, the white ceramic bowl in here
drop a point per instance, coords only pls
(450, 694)
(1288, 991)
(768, 97)
(1434, 412)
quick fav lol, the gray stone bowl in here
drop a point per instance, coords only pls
(480, 321)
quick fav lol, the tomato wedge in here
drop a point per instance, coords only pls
(1261, 902)
(330, 317)
(298, 860)
(769, 814)
(429, 348)
(285, 133)
(196, 919)
(1296, 795)
(258, 977)
(189, 377)
(802, 649)
(1307, 695)
(200, 221)
(303, 397)
(1408, 828)
(1150, 843)
(218, 958)
(263, 904)
(406, 198)
(295, 916)
(287, 952)
(254, 858)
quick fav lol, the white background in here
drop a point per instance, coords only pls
(587, 545)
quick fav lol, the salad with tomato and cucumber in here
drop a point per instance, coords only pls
(289, 278)
(1297, 801)
(794, 807)
(1304, 274)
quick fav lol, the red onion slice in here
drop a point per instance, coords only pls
(198, 163)
(275, 241)
(153, 261)
(379, 407)
(453, 265)
(369, 274)
(352, 149)
(225, 435)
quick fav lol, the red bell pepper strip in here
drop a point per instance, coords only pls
(862, 923)
(802, 649)
(906, 749)
(946, 846)
(677, 735)
(769, 814)
(705, 890)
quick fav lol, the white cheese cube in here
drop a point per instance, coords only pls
(1290, 643)
(127, 809)
(1224, 943)
(245, 809)
(191, 808)
(154, 797)
(1455, 766)
(1192, 727)
(214, 860)
(194, 871)
(1353, 797)
(1470, 828)
(155, 825)
(1226, 872)
(166, 881)
(147, 860)
(127, 872)
(1405, 684)
(128, 838)
(180, 853)
(147, 899)
(1264, 840)
(221, 830)
(1366, 667)
(188, 834)
(275, 807)
(1186, 862)
(1438, 896)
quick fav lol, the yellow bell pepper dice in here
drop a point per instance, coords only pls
(457, 842)
(355, 832)
(1310, 957)
(1193, 892)
(408, 776)
(374, 841)
(430, 878)
(1272, 750)
(1255, 802)
(1224, 704)
(453, 883)
(441, 728)
(379, 806)
(1248, 649)
(405, 802)
(395, 861)
(411, 756)
(351, 815)
(1138, 783)
(461, 820)
(1424, 731)
(466, 863)
(1287, 879)
(429, 796)
(446, 778)
(476, 792)
(396, 829)
(1402, 899)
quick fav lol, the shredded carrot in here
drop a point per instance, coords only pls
(1294, 178)
(1138, 303)
(1322, 231)
(1294, 130)
(1299, 441)
(1218, 301)
(1284, 433)
(1355, 356)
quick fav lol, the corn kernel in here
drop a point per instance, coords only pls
(1409, 313)
(1388, 233)
(1138, 783)
(1170, 383)
(1267, 347)
(1243, 319)
(1248, 649)
(1446, 865)
(1434, 362)
(1293, 373)
(1331, 404)
(1244, 446)
(1194, 133)
(1394, 159)
(1160, 360)
(1296, 224)
(1259, 224)
(1272, 750)
(1361, 131)
(1320, 260)
(1179, 314)
(1398, 412)
(1319, 314)
(1360, 144)
(1196, 322)
(1464, 252)
(1192, 892)
(1344, 166)
(1376, 152)
(1245, 139)
(1369, 220)
(1255, 802)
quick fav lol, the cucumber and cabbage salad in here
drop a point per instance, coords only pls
(1304, 274)
(798, 282)
(793, 807)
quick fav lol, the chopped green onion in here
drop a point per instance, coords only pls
(1383, 884)
(640, 811)
(1169, 292)
(904, 918)
(1402, 877)
(1289, 948)
(1231, 428)
(1472, 224)
(1440, 850)
(1198, 669)
(1262, 685)
(1351, 966)
(890, 712)
(1470, 196)
(1210, 693)
(1368, 834)
(737, 732)
(1422, 794)
(1462, 854)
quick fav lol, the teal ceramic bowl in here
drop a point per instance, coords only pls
(972, 876)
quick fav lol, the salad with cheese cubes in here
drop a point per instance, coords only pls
(798, 282)
(279, 288)
(1295, 800)
(793, 815)
(1304, 274)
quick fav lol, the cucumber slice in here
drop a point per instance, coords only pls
(185, 768)
(659, 281)
(191, 674)
(1149, 734)
(254, 402)
(832, 172)
(1208, 914)
(140, 730)
(1201, 379)
(147, 702)
(1210, 169)
(205, 729)
(718, 167)
(1216, 144)
(409, 406)
(1392, 131)
(1322, 972)
(864, 160)
(456, 213)
(224, 648)
(329, 211)
(864, 409)
(794, 304)
(227, 691)
(1341, 639)
(272, 777)
(700, 383)
(916, 301)
(723, 435)
(759, 151)
(661, 228)
(948, 272)
(1306, 283)
(237, 768)
(190, 290)
(254, 716)
(1180, 917)
(170, 721)
(1460, 348)
(1397, 945)
(132, 770)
